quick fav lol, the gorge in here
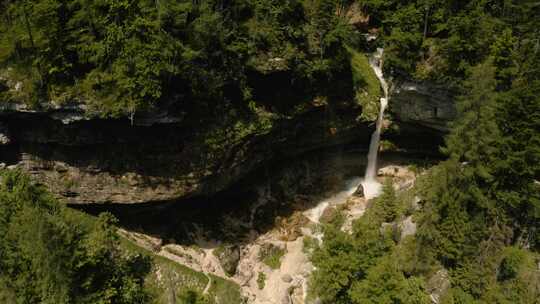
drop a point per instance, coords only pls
(240, 228)
(163, 202)
(269, 152)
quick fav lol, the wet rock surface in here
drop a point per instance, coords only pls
(276, 221)
(359, 191)
(4, 135)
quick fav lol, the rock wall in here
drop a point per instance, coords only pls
(423, 104)
(91, 160)
(160, 157)
(420, 114)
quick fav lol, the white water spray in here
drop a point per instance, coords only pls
(314, 214)
(372, 188)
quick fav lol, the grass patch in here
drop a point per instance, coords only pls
(271, 255)
(309, 245)
(261, 280)
(169, 281)
(366, 84)
(218, 251)
(179, 253)
(223, 291)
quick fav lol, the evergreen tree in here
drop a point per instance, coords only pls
(385, 283)
(49, 254)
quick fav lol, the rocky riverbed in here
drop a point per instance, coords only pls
(265, 253)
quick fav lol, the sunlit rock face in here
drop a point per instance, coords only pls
(423, 104)
(420, 114)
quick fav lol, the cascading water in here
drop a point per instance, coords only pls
(371, 186)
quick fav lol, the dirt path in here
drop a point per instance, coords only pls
(208, 285)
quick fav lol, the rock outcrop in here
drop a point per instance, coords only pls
(438, 285)
(4, 135)
(86, 159)
(83, 158)
(423, 104)
(421, 113)
(229, 257)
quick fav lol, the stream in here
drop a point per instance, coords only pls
(281, 207)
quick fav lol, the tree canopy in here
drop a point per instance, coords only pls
(125, 56)
(50, 254)
(480, 208)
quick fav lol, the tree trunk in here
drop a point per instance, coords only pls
(426, 22)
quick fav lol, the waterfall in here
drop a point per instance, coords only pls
(370, 184)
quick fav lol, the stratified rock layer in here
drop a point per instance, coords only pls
(85, 159)
(421, 113)
(422, 104)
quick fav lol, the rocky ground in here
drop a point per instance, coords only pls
(286, 279)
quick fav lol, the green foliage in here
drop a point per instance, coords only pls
(176, 280)
(480, 207)
(309, 244)
(124, 57)
(388, 204)
(271, 255)
(511, 263)
(192, 297)
(455, 232)
(385, 283)
(344, 260)
(50, 254)
(366, 84)
(472, 210)
(474, 205)
(261, 280)
(442, 40)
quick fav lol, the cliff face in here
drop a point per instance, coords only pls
(423, 104)
(421, 113)
(91, 160)
(160, 157)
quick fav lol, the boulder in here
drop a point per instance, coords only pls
(407, 227)
(286, 278)
(328, 215)
(359, 191)
(4, 136)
